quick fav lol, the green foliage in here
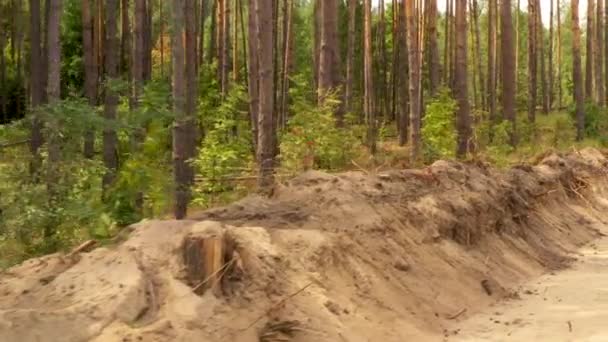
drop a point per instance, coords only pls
(312, 139)
(596, 121)
(226, 148)
(438, 128)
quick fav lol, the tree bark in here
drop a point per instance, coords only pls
(559, 56)
(599, 54)
(350, 55)
(509, 81)
(253, 75)
(577, 73)
(414, 81)
(287, 57)
(478, 59)
(329, 60)
(368, 80)
(463, 117)
(125, 43)
(541, 55)
(36, 91)
(491, 88)
(551, 66)
(589, 82)
(266, 127)
(112, 55)
(90, 71)
(433, 47)
(532, 58)
(403, 77)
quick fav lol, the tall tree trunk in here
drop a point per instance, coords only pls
(112, 55)
(541, 56)
(404, 78)
(149, 44)
(381, 93)
(509, 81)
(253, 75)
(532, 58)
(161, 19)
(478, 60)
(517, 42)
(433, 47)
(180, 165)
(551, 66)
(318, 20)
(90, 71)
(559, 55)
(414, 69)
(463, 117)
(589, 94)
(329, 62)
(225, 46)
(577, 73)
(201, 25)
(492, 13)
(350, 55)
(37, 91)
(125, 43)
(266, 127)
(368, 77)
(212, 55)
(139, 49)
(599, 54)
(605, 29)
(287, 57)
(447, 47)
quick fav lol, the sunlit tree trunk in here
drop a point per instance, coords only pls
(112, 55)
(414, 73)
(589, 82)
(368, 75)
(577, 73)
(599, 54)
(463, 116)
(90, 71)
(329, 61)
(508, 68)
(532, 58)
(36, 91)
(253, 75)
(491, 88)
(541, 55)
(350, 55)
(433, 47)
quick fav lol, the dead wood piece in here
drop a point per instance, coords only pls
(485, 284)
(83, 248)
(458, 314)
(276, 305)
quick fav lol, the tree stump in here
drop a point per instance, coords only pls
(204, 258)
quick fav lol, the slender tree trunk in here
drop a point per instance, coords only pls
(329, 63)
(589, 94)
(90, 71)
(318, 20)
(253, 75)
(509, 81)
(478, 59)
(180, 165)
(368, 79)
(139, 49)
(559, 56)
(161, 19)
(577, 73)
(235, 41)
(37, 92)
(212, 55)
(541, 56)
(532, 58)
(492, 12)
(125, 44)
(517, 42)
(599, 52)
(201, 25)
(287, 57)
(447, 47)
(404, 77)
(381, 92)
(350, 55)
(463, 117)
(433, 47)
(266, 127)
(414, 69)
(551, 66)
(112, 55)
(605, 29)
(225, 46)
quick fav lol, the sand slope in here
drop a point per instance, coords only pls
(396, 256)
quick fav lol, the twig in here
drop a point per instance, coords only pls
(581, 196)
(16, 143)
(360, 167)
(458, 314)
(569, 326)
(82, 247)
(224, 267)
(274, 306)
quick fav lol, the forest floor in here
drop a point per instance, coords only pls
(423, 255)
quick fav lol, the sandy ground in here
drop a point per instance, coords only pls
(569, 305)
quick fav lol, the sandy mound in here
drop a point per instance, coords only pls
(351, 257)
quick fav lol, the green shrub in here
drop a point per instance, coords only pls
(439, 134)
(312, 139)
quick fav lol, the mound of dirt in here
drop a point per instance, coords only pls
(350, 257)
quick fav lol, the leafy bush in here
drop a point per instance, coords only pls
(226, 151)
(312, 139)
(439, 129)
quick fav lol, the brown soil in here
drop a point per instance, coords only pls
(395, 256)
